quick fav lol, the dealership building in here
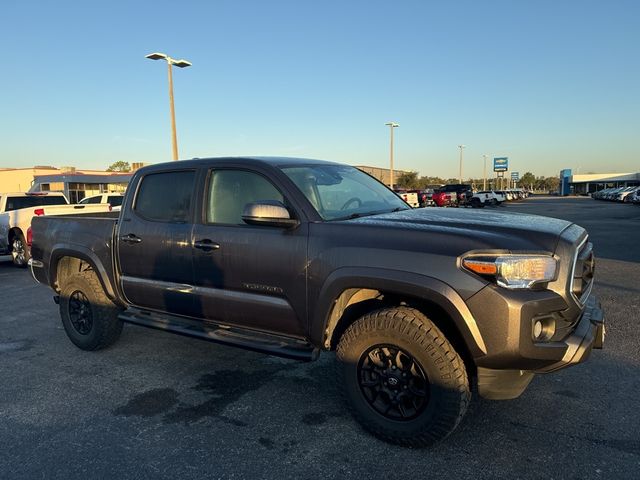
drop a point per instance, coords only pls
(585, 184)
(76, 184)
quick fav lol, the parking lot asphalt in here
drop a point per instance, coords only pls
(161, 406)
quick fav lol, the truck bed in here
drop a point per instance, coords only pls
(90, 234)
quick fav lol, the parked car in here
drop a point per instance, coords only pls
(626, 194)
(16, 212)
(293, 256)
(443, 199)
(461, 193)
(113, 199)
(426, 198)
(410, 197)
(486, 198)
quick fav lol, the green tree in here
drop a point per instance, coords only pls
(551, 184)
(408, 180)
(119, 166)
(528, 180)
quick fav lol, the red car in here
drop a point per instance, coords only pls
(442, 199)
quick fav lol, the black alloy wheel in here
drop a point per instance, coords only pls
(80, 313)
(393, 382)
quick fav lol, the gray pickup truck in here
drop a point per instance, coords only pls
(291, 257)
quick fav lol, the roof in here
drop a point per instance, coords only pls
(31, 194)
(83, 178)
(248, 160)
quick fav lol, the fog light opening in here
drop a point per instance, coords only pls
(543, 329)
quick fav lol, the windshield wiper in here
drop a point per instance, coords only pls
(368, 214)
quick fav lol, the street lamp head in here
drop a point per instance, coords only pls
(181, 63)
(392, 124)
(156, 56)
(461, 146)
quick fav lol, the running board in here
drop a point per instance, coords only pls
(232, 336)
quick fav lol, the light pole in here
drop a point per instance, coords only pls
(484, 173)
(461, 147)
(391, 126)
(178, 63)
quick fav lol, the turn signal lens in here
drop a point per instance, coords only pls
(480, 267)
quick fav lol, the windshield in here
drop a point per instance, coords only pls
(338, 192)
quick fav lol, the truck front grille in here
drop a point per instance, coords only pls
(583, 270)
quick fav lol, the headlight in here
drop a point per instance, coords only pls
(513, 271)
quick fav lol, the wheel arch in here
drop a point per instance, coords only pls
(13, 232)
(65, 261)
(350, 293)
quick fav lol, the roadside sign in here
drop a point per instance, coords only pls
(515, 176)
(500, 164)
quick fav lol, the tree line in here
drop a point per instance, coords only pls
(411, 181)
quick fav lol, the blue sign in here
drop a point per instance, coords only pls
(515, 176)
(500, 164)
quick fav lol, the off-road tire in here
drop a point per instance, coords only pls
(104, 328)
(20, 252)
(412, 332)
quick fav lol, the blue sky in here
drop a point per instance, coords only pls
(550, 84)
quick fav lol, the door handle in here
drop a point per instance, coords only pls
(206, 245)
(131, 238)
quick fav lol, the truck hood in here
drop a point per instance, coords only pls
(489, 228)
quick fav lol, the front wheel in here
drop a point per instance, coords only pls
(88, 316)
(402, 379)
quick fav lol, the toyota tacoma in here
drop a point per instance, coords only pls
(292, 257)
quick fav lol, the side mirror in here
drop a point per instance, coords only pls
(269, 213)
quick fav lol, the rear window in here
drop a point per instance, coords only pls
(166, 197)
(115, 200)
(16, 203)
(87, 200)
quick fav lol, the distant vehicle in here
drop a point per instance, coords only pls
(443, 199)
(486, 198)
(113, 199)
(16, 212)
(409, 196)
(425, 197)
(461, 193)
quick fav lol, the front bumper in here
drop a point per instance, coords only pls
(589, 333)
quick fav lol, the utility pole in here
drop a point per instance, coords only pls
(461, 147)
(181, 64)
(391, 126)
(484, 173)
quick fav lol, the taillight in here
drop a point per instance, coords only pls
(110, 207)
(29, 236)
(38, 212)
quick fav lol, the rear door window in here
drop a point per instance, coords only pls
(166, 196)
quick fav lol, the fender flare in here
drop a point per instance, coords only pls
(401, 283)
(59, 251)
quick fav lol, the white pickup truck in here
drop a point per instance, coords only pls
(113, 199)
(16, 212)
(487, 198)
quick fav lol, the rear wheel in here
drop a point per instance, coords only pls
(20, 251)
(88, 316)
(401, 377)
